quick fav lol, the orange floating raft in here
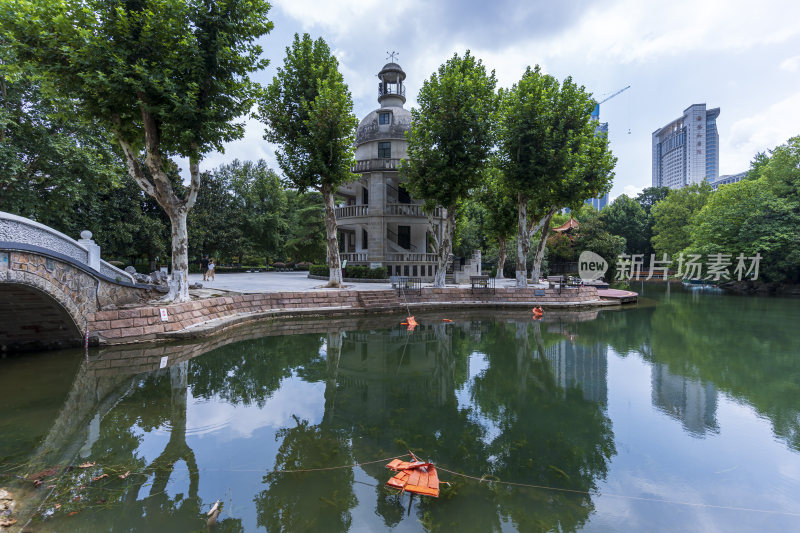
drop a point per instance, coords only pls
(417, 476)
(410, 322)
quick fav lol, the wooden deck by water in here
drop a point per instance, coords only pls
(616, 294)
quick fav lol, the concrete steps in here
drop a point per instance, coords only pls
(373, 299)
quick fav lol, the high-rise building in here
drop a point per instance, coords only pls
(686, 151)
(600, 128)
(727, 179)
(598, 203)
(688, 399)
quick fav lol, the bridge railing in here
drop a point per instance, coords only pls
(17, 229)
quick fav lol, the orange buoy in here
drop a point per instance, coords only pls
(411, 323)
(446, 320)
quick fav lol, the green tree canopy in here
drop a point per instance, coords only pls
(305, 238)
(651, 196)
(781, 170)
(449, 143)
(550, 153)
(749, 218)
(673, 216)
(166, 77)
(308, 111)
(501, 220)
(626, 217)
(50, 167)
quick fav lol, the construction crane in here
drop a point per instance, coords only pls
(613, 95)
(596, 110)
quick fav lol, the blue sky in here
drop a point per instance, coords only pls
(737, 55)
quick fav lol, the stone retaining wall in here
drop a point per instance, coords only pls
(145, 323)
(506, 295)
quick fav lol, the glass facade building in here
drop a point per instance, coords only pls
(686, 151)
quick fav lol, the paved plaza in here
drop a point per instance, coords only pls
(274, 282)
(289, 282)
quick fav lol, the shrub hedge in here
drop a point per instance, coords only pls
(365, 272)
(353, 272)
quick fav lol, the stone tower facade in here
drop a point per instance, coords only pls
(379, 223)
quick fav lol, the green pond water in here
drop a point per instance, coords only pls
(681, 413)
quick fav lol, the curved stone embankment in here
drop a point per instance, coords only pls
(126, 360)
(208, 316)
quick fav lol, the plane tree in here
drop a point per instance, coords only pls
(501, 222)
(167, 78)
(308, 111)
(449, 143)
(550, 153)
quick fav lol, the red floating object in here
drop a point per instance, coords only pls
(417, 477)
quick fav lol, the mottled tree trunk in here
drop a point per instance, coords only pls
(444, 247)
(537, 260)
(525, 233)
(179, 288)
(523, 241)
(332, 357)
(334, 264)
(501, 259)
(158, 187)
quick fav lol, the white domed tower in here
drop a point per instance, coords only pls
(379, 223)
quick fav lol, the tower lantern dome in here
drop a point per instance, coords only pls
(391, 91)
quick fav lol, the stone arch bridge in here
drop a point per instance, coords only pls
(50, 284)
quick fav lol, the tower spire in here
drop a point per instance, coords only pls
(391, 91)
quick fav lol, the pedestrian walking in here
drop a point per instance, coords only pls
(210, 272)
(204, 266)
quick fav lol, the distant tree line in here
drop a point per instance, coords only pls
(758, 215)
(65, 174)
(99, 99)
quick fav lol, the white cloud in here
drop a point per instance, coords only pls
(632, 30)
(791, 64)
(759, 132)
(237, 420)
(605, 46)
(342, 17)
(632, 190)
(251, 147)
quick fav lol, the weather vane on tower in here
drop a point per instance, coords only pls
(391, 55)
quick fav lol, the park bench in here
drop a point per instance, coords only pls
(555, 282)
(481, 283)
(405, 284)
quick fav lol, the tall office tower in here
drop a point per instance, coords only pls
(686, 151)
(600, 128)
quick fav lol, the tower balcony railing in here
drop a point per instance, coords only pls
(391, 257)
(410, 258)
(411, 210)
(353, 257)
(391, 209)
(352, 211)
(367, 165)
(385, 89)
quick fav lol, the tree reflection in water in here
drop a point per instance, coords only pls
(392, 392)
(508, 399)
